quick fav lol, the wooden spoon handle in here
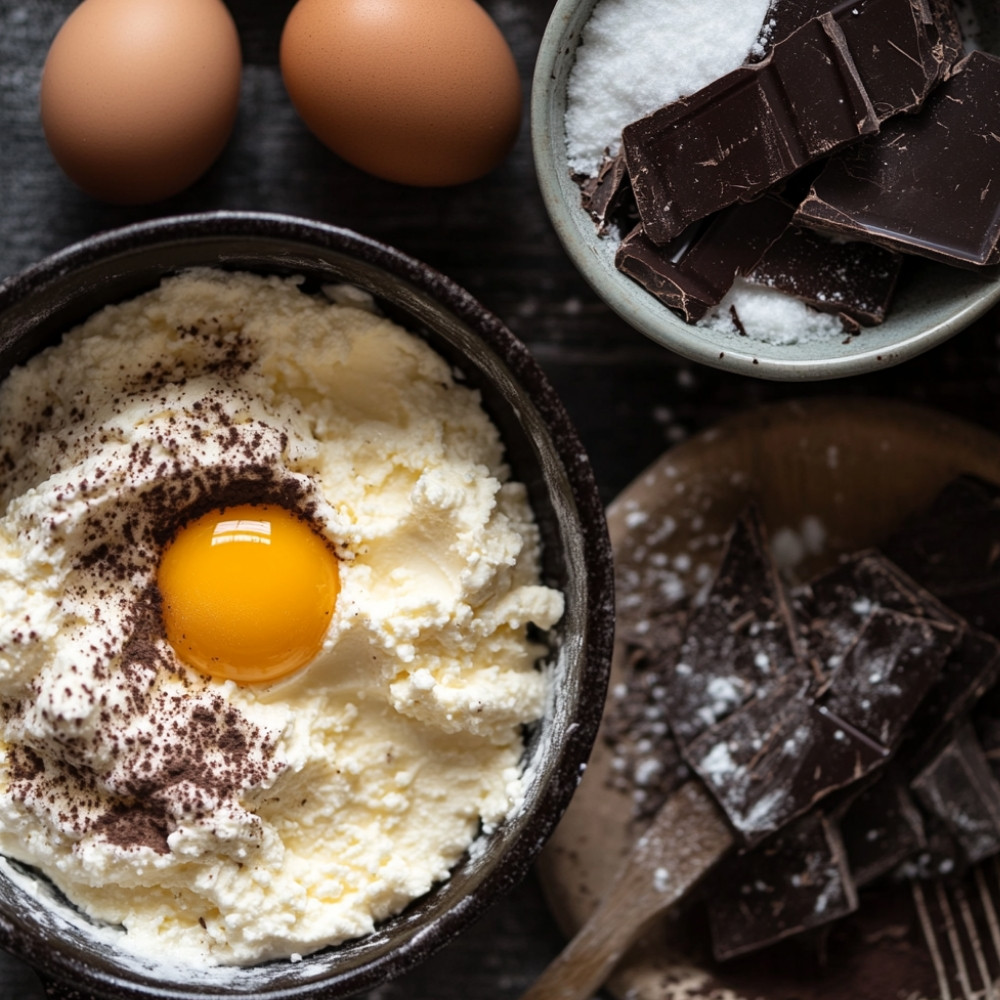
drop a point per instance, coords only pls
(686, 838)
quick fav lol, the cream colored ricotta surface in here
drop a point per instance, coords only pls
(226, 824)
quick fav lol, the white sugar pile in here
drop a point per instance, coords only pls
(772, 317)
(637, 55)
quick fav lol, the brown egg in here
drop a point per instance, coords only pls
(422, 92)
(138, 97)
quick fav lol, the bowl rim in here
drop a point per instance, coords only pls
(576, 231)
(62, 972)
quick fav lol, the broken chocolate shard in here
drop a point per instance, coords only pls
(796, 881)
(736, 137)
(926, 184)
(902, 49)
(959, 788)
(737, 643)
(843, 277)
(881, 829)
(913, 60)
(694, 272)
(607, 197)
(895, 660)
(775, 757)
(968, 674)
(953, 549)
(785, 16)
(832, 609)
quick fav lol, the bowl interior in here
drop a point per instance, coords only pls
(932, 303)
(38, 306)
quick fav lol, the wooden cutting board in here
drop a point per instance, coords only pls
(829, 476)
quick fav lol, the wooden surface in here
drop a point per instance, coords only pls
(629, 398)
(857, 473)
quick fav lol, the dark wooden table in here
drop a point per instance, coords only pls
(630, 398)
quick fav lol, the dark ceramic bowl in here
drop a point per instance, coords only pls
(37, 306)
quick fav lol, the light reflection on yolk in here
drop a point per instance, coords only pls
(248, 593)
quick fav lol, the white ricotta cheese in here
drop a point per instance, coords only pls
(232, 824)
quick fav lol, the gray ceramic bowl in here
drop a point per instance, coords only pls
(544, 452)
(933, 302)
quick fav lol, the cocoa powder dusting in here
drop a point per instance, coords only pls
(178, 750)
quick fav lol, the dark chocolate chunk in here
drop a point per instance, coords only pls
(901, 54)
(953, 549)
(940, 858)
(607, 196)
(959, 788)
(796, 881)
(832, 609)
(971, 670)
(926, 184)
(777, 756)
(693, 273)
(737, 643)
(785, 16)
(886, 673)
(881, 829)
(736, 137)
(834, 276)
(934, 46)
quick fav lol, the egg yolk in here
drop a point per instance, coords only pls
(248, 592)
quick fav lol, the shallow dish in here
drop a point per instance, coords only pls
(37, 306)
(848, 473)
(932, 303)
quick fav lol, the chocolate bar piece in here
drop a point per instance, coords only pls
(834, 276)
(737, 643)
(959, 788)
(607, 196)
(927, 184)
(736, 137)
(886, 673)
(953, 549)
(832, 609)
(777, 756)
(829, 82)
(796, 881)
(901, 55)
(971, 671)
(693, 273)
(938, 39)
(881, 829)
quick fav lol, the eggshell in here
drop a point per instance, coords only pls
(422, 92)
(138, 97)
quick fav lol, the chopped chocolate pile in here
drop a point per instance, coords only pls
(848, 727)
(865, 118)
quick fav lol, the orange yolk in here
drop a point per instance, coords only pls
(248, 593)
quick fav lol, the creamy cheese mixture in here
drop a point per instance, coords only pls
(231, 824)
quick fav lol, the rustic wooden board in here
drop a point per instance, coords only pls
(853, 473)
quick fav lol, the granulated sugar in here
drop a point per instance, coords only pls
(637, 55)
(771, 317)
